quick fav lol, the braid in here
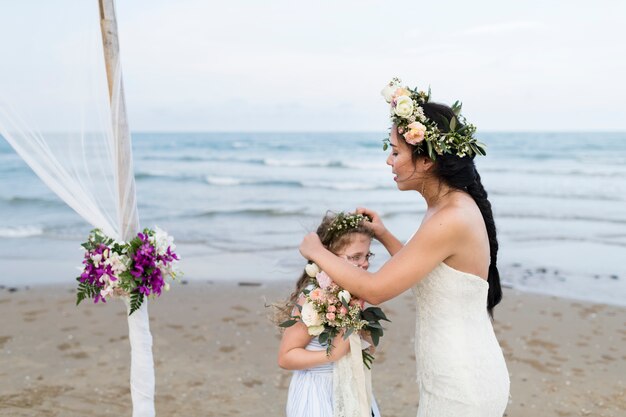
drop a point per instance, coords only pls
(478, 193)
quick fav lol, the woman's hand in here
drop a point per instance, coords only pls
(311, 243)
(376, 225)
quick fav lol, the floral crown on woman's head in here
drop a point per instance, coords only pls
(418, 130)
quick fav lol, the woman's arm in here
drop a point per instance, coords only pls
(435, 241)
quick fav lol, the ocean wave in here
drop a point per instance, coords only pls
(609, 172)
(20, 231)
(338, 185)
(232, 182)
(31, 201)
(553, 195)
(267, 212)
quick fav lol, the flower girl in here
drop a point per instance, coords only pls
(311, 389)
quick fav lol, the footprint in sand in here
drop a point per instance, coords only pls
(240, 308)
(78, 355)
(227, 349)
(250, 383)
(3, 340)
(69, 329)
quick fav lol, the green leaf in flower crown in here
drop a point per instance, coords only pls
(429, 147)
(453, 124)
(456, 108)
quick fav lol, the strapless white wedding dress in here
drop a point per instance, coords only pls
(460, 366)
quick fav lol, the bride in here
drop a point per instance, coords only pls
(449, 262)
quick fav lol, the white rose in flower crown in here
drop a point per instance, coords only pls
(312, 270)
(389, 91)
(310, 317)
(344, 295)
(404, 106)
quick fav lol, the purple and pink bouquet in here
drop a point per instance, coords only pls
(142, 267)
(328, 309)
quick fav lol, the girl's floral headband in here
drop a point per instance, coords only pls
(418, 130)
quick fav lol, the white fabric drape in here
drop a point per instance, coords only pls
(352, 383)
(88, 161)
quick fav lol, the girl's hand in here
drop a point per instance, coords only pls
(376, 225)
(311, 243)
(340, 348)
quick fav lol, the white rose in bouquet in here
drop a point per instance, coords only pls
(310, 317)
(312, 270)
(344, 295)
(315, 330)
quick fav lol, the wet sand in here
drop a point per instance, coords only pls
(215, 354)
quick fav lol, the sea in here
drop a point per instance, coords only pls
(238, 205)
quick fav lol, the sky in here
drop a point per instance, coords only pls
(277, 65)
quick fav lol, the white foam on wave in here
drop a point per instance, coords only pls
(224, 181)
(343, 186)
(20, 231)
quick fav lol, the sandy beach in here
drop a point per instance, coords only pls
(215, 354)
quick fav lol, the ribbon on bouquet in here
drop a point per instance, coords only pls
(352, 383)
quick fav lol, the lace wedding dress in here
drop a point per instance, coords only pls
(460, 365)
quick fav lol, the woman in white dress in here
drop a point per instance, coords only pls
(449, 262)
(311, 391)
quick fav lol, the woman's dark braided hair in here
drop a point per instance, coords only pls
(460, 173)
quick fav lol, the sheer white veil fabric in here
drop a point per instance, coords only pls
(85, 156)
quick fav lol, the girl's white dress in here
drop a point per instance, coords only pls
(311, 390)
(460, 366)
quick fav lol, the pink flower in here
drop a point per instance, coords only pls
(330, 316)
(323, 280)
(357, 301)
(332, 309)
(343, 310)
(415, 134)
(316, 294)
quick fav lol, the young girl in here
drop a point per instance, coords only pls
(311, 388)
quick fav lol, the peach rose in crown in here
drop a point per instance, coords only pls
(400, 92)
(415, 134)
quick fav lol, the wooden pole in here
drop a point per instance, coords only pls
(142, 364)
(128, 221)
